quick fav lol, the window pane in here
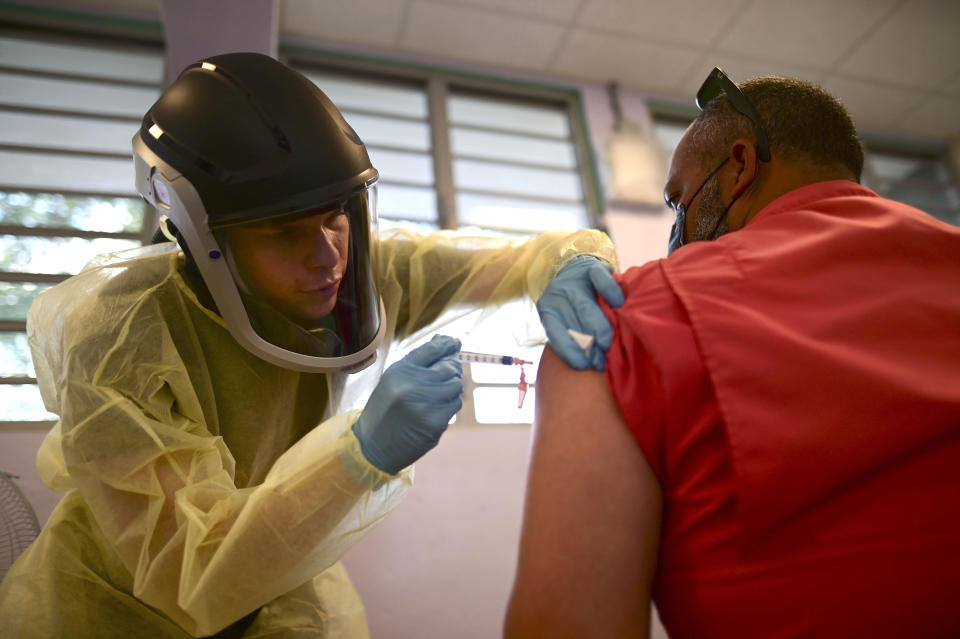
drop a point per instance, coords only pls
(376, 130)
(519, 215)
(500, 374)
(15, 360)
(925, 197)
(407, 202)
(516, 148)
(84, 97)
(107, 215)
(495, 405)
(378, 97)
(891, 168)
(669, 134)
(51, 172)
(508, 116)
(950, 217)
(20, 254)
(61, 132)
(487, 176)
(923, 182)
(139, 66)
(22, 403)
(415, 168)
(16, 298)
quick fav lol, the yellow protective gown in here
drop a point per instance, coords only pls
(204, 483)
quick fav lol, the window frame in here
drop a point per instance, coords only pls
(114, 37)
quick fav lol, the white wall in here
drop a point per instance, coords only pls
(442, 564)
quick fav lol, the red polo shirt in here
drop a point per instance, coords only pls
(795, 386)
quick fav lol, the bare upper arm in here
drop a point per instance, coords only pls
(591, 519)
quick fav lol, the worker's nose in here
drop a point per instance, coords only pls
(322, 250)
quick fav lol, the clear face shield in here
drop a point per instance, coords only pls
(296, 289)
(306, 280)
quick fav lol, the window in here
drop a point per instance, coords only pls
(67, 114)
(393, 120)
(481, 156)
(920, 179)
(669, 130)
(514, 165)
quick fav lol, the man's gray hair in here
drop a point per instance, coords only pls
(803, 122)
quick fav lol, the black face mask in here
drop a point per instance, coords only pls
(677, 232)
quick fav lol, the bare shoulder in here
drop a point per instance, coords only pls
(566, 396)
(586, 564)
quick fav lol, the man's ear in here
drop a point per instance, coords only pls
(743, 157)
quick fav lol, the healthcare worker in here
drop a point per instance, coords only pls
(213, 481)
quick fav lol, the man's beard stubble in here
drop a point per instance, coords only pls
(711, 214)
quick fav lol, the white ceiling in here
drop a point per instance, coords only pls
(894, 63)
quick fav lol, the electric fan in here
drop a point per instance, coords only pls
(18, 523)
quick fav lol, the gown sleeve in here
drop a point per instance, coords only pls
(447, 269)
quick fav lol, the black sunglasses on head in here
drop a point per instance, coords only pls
(718, 82)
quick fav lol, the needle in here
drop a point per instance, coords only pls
(484, 358)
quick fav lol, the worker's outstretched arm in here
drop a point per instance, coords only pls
(591, 522)
(563, 272)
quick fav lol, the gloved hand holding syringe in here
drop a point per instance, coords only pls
(400, 423)
(413, 402)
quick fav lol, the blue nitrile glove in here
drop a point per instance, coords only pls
(570, 302)
(412, 405)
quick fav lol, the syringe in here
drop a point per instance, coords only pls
(484, 358)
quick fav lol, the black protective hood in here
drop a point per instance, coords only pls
(256, 139)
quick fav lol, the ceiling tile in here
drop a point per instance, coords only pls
(678, 21)
(354, 21)
(813, 32)
(554, 10)
(632, 63)
(917, 45)
(872, 106)
(479, 36)
(936, 117)
(741, 68)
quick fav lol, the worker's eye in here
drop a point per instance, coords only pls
(337, 219)
(281, 234)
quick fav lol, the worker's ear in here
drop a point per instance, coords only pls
(743, 158)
